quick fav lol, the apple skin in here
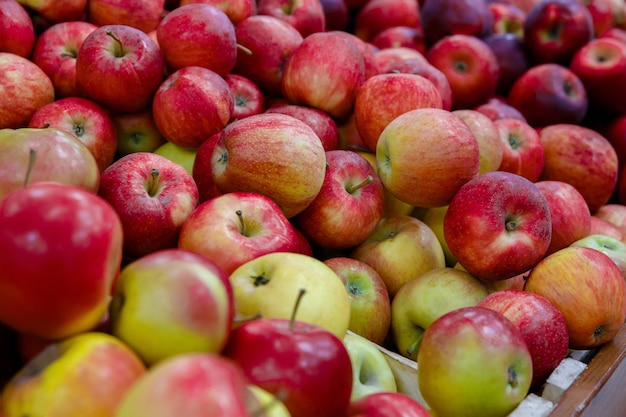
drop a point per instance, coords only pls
(144, 15)
(473, 362)
(449, 156)
(378, 15)
(610, 246)
(497, 108)
(336, 67)
(522, 148)
(248, 97)
(336, 14)
(153, 197)
(605, 227)
(399, 249)
(17, 32)
(348, 206)
(85, 119)
(510, 220)
(201, 170)
(583, 158)
(434, 217)
(59, 156)
(425, 298)
(387, 404)
(272, 154)
(370, 304)
(93, 369)
(383, 97)
(306, 16)
(400, 36)
(507, 18)
(512, 57)
(22, 98)
(198, 34)
(119, 67)
(185, 157)
(307, 366)
(542, 325)
(555, 29)
(451, 17)
(136, 132)
(192, 104)
(601, 66)
(64, 290)
(588, 288)
(490, 147)
(270, 41)
(614, 213)
(220, 388)
(236, 10)
(548, 94)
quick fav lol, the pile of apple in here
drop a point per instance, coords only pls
(221, 208)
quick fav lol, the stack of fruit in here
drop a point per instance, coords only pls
(214, 208)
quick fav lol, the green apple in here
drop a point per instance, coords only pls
(269, 286)
(184, 157)
(427, 297)
(433, 217)
(370, 369)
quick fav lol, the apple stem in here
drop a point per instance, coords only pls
(242, 222)
(245, 50)
(153, 185)
(32, 155)
(351, 189)
(415, 345)
(295, 308)
(119, 51)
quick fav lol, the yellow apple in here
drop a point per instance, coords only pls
(184, 157)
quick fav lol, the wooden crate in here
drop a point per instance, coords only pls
(587, 383)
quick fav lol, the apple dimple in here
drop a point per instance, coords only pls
(117, 48)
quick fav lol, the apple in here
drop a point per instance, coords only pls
(192, 384)
(248, 97)
(56, 11)
(165, 305)
(399, 249)
(348, 206)
(387, 404)
(136, 132)
(192, 104)
(236, 10)
(400, 36)
(569, 213)
(324, 71)
(269, 405)
(185, 157)
(383, 97)
(85, 119)
(508, 18)
(25, 88)
(510, 220)
(144, 15)
(265, 44)
(370, 304)
(378, 15)
(548, 94)
(368, 52)
(65, 289)
(453, 17)
(93, 370)
(449, 156)
(470, 66)
(336, 14)
(606, 228)
(306, 16)
(242, 226)
(614, 213)
(307, 366)
(512, 57)
(273, 154)
(522, 149)
(614, 130)
(497, 108)
(17, 32)
(198, 34)
(610, 246)
(119, 67)
(370, 370)
(201, 170)
(601, 66)
(490, 147)
(541, 324)
(425, 298)
(30, 155)
(477, 357)
(153, 197)
(588, 288)
(434, 217)
(615, 32)
(268, 286)
(583, 158)
(555, 29)
(322, 124)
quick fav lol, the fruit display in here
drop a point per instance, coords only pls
(324, 208)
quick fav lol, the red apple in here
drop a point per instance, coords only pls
(512, 57)
(248, 98)
(306, 16)
(523, 151)
(548, 94)
(368, 52)
(541, 324)
(605, 227)
(202, 172)
(490, 146)
(65, 289)
(236, 10)
(510, 220)
(387, 404)
(507, 18)
(606, 14)
(378, 15)
(583, 158)
(85, 119)
(55, 53)
(144, 15)
(55, 11)
(614, 213)
(136, 132)
(455, 17)
(198, 34)
(25, 89)
(266, 43)
(119, 67)
(614, 129)
(192, 104)
(17, 32)
(497, 108)
(470, 66)
(336, 14)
